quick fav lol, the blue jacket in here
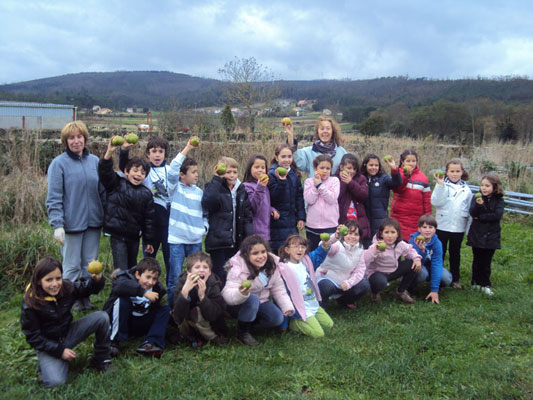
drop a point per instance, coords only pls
(377, 205)
(287, 197)
(432, 256)
(303, 158)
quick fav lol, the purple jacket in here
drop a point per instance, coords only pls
(356, 191)
(259, 197)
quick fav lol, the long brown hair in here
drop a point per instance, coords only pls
(335, 129)
(35, 295)
(497, 188)
(247, 245)
(390, 222)
(276, 153)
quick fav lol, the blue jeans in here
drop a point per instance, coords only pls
(267, 314)
(178, 253)
(424, 275)
(328, 288)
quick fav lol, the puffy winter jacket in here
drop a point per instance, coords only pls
(357, 192)
(344, 263)
(322, 203)
(128, 209)
(218, 203)
(411, 200)
(485, 230)
(287, 197)
(47, 327)
(377, 205)
(387, 261)
(452, 204)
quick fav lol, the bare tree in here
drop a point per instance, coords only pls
(249, 83)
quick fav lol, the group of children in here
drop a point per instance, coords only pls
(260, 270)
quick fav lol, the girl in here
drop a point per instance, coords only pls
(321, 193)
(255, 263)
(484, 234)
(413, 198)
(379, 187)
(255, 183)
(299, 275)
(327, 141)
(353, 193)
(343, 272)
(451, 198)
(286, 197)
(47, 321)
(382, 266)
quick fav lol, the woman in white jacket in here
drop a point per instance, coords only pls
(451, 199)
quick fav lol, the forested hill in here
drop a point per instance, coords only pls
(163, 90)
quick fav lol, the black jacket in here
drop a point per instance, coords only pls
(211, 307)
(128, 209)
(125, 284)
(485, 230)
(377, 205)
(218, 204)
(46, 328)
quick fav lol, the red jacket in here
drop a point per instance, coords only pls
(411, 200)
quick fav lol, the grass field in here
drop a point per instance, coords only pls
(469, 347)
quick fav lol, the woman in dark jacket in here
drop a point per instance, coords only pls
(353, 194)
(229, 222)
(379, 187)
(484, 234)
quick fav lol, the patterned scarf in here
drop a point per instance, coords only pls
(329, 149)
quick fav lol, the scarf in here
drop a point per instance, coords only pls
(329, 149)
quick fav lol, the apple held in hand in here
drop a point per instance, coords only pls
(282, 171)
(382, 246)
(343, 230)
(117, 141)
(387, 158)
(221, 169)
(325, 237)
(246, 284)
(286, 121)
(439, 173)
(263, 176)
(420, 238)
(478, 195)
(132, 138)
(195, 141)
(407, 170)
(95, 267)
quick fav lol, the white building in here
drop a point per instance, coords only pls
(20, 115)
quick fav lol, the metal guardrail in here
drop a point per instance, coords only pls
(516, 202)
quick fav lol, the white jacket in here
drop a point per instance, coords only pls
(452, 203)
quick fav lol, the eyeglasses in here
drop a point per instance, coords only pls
(298, 246)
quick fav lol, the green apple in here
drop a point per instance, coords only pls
(117, 141)
(382, 246)
(324, 237)
(420, 238)
(286, 121)
(478, 195)
(263, 176)
(282, 171)
(221, 169)
(132, 138)
(407, 170)
(387, 158)
(439, 173)
(194, 276)
(246, 284)
(195, 141)
(343, 230)
(95, 267)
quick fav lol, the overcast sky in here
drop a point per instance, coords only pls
(294, 39)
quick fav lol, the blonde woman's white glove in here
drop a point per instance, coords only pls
(59, 235)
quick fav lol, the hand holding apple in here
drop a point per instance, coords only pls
(345, 176)
(263, 180)
(317, 178)
(390, 162)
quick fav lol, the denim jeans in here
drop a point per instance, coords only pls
(328, 288)
(178, 253)
(267, 314)
(55, 370)
(424, 275)
(124, 252)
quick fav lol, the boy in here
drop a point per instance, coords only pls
(134, 308)
(430, 248)
(128, 208)
(198, 305)
(157, 181)
(187, 223)
(229, 215)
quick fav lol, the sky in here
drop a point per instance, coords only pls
(294, 40)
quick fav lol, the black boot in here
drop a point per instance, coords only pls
(243, 334)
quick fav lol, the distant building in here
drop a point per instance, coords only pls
(104, 111)
(129, 110)
(21, 115)
(96, 108)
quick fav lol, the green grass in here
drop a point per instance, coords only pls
(468, 347)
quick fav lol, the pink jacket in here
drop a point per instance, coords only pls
(322, 204)
(294, 289)
(344, 263)
(387, 261)
(239, 272)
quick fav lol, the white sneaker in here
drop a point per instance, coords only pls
(476, 287)
(487, 290)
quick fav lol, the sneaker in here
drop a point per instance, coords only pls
(148, 349)
(101, 366)
(405, 297)
(487, 290)
(375, 297)
(456, 285)
(219, 340)
(247, 339)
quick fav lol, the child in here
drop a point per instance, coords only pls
(379, 187)
(430, 249)
(299, 276)
(286, 196)
(353, 193)
(188, 224)
(157, 181)
(383, 266)
(413, 198)
(342, 273)
(198, 303)
(47, 321)
(255, 263)
(229, 215)
(451, 198)
(128, 208)
(321, 193)
(134, 307)
(484, 234)
(255, 182)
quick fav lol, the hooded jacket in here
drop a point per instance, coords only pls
(433, 256)
(344, 263)
(452, 204)
(387, 261)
